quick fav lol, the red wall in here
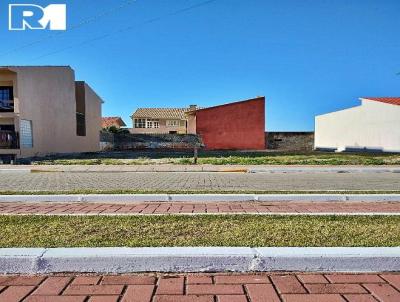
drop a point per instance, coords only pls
(235, 126)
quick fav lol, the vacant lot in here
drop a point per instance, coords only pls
(236, 230)
(223, 158)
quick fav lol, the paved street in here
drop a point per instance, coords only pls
(59, 181)
(152, 208)
(202, 288)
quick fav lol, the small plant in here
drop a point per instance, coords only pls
(113, 129)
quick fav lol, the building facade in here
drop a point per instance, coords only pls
(373, 126)
(233, 126)
(160, 120)
(43, 110)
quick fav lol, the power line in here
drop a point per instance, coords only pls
(73, 27)
(121, 30)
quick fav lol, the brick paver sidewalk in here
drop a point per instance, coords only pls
(199, 208)
(202, 288)
(215, 182)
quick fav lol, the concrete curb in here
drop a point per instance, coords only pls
(202, 259)
(135, 198)
(15, 170)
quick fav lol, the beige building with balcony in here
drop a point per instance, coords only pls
(160, 120)
(43, 110)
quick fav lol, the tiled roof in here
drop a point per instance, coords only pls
(112, 121)
(387, 100)
(163, 113)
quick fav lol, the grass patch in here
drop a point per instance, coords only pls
(235, 230)
(226, 158)
(108, 161)
(311, 158)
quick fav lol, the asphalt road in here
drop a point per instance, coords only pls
(61, 181)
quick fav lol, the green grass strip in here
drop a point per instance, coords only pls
(231, 158)
(219, 230)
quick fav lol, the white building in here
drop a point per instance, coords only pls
(374, 126)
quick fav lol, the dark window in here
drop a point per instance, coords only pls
(6, 93)
(140, 123)
(6, 98)
(7, 128)
(80, 124)
(80, 109)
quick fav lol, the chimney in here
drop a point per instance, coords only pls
(192, 107)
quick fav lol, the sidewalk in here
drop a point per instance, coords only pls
(212, 182)
(165, 208)
(202, 288)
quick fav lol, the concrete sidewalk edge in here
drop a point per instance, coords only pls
(198, 259)
(135, 198)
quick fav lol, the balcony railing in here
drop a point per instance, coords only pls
(9, 140)
(6, 105)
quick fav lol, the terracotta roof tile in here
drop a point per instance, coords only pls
(387, 100)
(161, 113)
(112, 121)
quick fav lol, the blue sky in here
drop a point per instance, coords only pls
(307, 57)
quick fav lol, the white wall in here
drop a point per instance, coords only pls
(373, 125)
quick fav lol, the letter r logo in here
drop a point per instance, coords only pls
(31, 16)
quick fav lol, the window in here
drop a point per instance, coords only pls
(26, 134)
(80, 124)
(140, 123)
(80, 100)
(6, 93)
(6, 98)
(173, 123)
(146, 123)
(152, 123)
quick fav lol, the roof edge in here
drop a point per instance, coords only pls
(227, 104)
(390, 100)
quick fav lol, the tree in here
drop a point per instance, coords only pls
(113, 129)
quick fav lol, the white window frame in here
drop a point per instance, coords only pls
(152, 123)
(173, 123)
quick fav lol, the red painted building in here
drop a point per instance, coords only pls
(234, 126)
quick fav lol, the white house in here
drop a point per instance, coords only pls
(374, 126)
